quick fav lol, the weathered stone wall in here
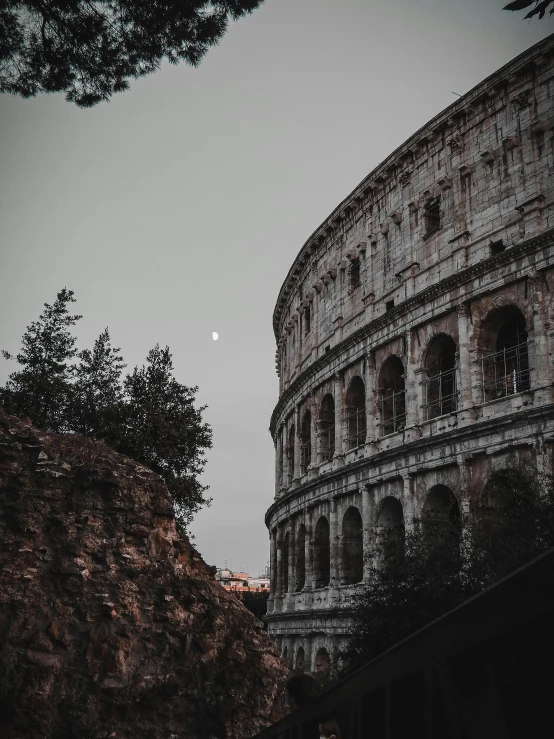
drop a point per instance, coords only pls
(427, 294)
(111, 625)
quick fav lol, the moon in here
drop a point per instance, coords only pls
(215, 335)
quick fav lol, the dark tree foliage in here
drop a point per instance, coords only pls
(147, 415)
(540, 8)
(436, 569)
(89, 49)
(255, 602)
(41, 390)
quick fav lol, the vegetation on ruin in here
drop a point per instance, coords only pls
(418, 575)
(146, 414)
(90, 49)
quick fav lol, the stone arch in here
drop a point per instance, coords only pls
(392, 395)
(300, 662)
(442, 522)
(305, 441)
(504, 351)
(440, 384)
(300, 568)
(322, 553)
(327, 427)
(500, 489)
(355, 413)
(322, 662)
(290, 453)
(285, 562)
(352, 547)
(390, 530)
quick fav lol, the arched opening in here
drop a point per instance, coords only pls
(505, 361)
(392, 393)
(300, 568)
(355, 413)
(305, 442)
(285, 561)
(300, 665)
(507, 488)
(327, 427)
(322, 554)
(440, 385)
(290, 454)
(390, 532)
(285, 656)
(322, 662)
(442, 524)
(352, 559)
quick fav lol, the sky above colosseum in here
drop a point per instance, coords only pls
(177, 209)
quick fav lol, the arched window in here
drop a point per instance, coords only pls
(352, 554)
(290, 454)
(285, 563)
(502, 489)
(305, 442)
(393, 396)
(322, 554)
(300, 568)
(442, 524)
(440, 363)
(505, 369)
(322, 661)
(327, 427)
(355, 413)
(300, 660)
(390, 532)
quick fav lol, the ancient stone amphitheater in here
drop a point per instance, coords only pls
(415, 342)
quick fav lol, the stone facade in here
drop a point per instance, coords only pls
(415, 341)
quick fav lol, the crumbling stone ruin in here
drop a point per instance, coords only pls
(415, 347)
(111, 625)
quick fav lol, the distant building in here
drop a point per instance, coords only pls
(241, 581)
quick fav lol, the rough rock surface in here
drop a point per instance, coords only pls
(111, 625)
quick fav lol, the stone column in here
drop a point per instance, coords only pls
(314, 438)
(334, 578)
(338, 415)
(412, 417)
(296, 471)
(464, 379)
(421, 374)
(273, 562)
(279, 563)
(370, 398)
(540, 357)
(368, 523)
(278, 456)
(409, 507)
(292, 550)
(308, 551)
(285, 445)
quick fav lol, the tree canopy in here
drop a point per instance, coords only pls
(89, 49)
(147, 415)
(540, 8)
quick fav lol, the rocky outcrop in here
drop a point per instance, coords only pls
(111, 625)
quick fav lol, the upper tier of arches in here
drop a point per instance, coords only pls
(443, 201)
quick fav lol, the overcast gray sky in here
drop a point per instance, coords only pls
(177, 209)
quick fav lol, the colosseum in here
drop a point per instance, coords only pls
(415, 345)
